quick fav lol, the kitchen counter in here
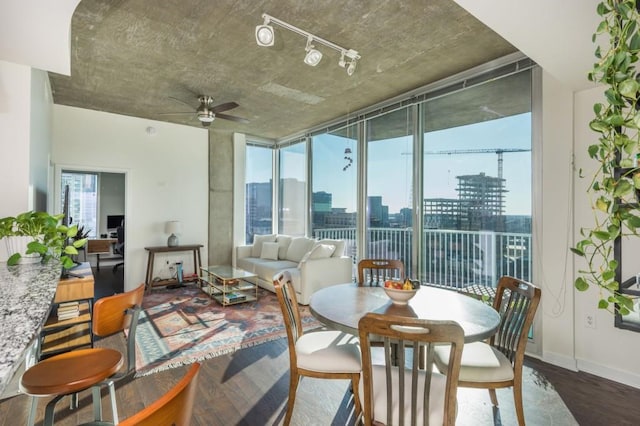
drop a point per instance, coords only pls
(26, 294)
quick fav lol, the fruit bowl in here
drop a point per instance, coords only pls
(398, 296)
(401, 292)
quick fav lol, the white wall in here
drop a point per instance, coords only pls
(166, 175)
(605, 350)
(15, 96)
(40, 138)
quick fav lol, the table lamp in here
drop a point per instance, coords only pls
(172, 227)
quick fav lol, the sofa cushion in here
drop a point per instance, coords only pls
(269, 251)
(257, 243)
(266, 270)
(298, 248)
(283, 245)
(338, 244)
(249, 263)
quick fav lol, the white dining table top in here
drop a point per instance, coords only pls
(341, 306)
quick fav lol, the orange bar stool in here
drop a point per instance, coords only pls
(78, 370)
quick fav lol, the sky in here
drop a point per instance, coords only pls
(390, 164)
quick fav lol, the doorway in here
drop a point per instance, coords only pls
(97, 200)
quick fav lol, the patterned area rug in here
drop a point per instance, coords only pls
(182, 326)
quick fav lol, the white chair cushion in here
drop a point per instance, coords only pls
(436, 396)
(329, 351)
(256, 249)
(269, 251)
(480, 363)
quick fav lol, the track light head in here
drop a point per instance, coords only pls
(264, 34)
(313, 56)
(351, 68)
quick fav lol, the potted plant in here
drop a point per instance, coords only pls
(617, 178)
(47, 237)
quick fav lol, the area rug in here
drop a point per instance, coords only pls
(182, 326)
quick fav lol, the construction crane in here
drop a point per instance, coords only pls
(498, 151)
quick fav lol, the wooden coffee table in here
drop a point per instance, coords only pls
(228, 285)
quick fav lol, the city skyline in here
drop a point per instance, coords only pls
(390, 160)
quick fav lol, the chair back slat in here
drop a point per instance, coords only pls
(516, 301)
(373, 272)
(405, 383)
(289, 307)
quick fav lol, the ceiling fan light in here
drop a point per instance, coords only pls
(206, 116)
(313, 57)
(264, 35)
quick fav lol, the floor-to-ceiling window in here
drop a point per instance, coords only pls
(83, 200)
(258, 191)
(389, 186)
(292, 189)
(334, 172)
(477, 183)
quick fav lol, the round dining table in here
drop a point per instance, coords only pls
(341, 306)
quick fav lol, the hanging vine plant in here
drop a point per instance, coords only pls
(614, 184)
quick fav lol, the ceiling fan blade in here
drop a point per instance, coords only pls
(232, 118)
(182, 102)
(175, 113)
(223, 107)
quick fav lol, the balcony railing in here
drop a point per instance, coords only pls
(450, 258)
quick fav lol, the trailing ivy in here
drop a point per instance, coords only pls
(614, 185)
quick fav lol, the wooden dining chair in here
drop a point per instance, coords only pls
(498, 363)
(407, 394)
(373, 272)
(75, 371)
(326, 354)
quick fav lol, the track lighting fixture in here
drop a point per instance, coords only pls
(313, 56)
(265, 36)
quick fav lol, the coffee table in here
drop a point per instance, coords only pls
(228, 285)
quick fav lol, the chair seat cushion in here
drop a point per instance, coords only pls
(480, 363)
(436, 396)
(329, 351)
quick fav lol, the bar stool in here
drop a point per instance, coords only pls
(78, 370)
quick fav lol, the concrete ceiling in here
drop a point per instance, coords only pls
(144, 58)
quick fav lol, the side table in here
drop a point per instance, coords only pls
(197, 262)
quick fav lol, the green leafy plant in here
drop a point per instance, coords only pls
(614, 184)
(51, 239)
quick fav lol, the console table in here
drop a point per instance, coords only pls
(152, 251)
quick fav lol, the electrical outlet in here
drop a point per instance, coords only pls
(590, 320)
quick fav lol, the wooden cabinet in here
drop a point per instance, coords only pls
(64, 335)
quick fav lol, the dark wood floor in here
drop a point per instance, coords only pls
(250, 387)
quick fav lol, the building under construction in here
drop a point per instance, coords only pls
(480, 205)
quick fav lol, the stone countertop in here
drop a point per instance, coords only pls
(26, 294)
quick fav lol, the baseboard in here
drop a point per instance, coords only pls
(560, 360)
(620, 376)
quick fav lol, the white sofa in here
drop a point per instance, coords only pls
(313, 264)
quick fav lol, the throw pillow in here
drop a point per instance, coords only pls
(338, 244)
(283, 242)
(269, 251)
(319, 251)
(257, 243)
(298, 247)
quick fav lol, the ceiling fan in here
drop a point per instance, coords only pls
(207, 112)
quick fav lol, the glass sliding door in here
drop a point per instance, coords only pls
(334, 197)
(477, 184)
(292, 189)
(259, 191)
(389, 187)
